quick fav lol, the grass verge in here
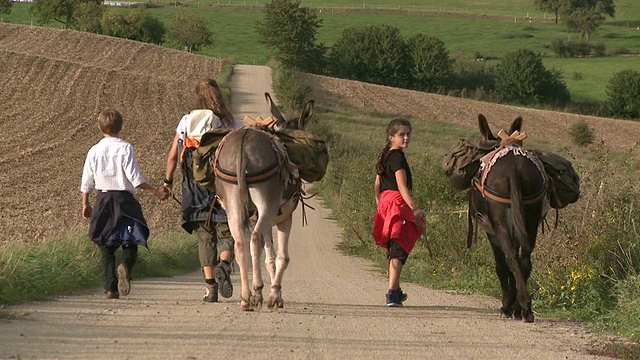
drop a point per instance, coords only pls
(73, 264)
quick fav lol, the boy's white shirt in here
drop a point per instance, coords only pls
(111, 164)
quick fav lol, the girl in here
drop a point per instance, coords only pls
(215, 244)
(398, 222)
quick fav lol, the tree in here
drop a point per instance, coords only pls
(87, 17)
(431, 67)
(289, 31)
(189, 31)
(585, 15)
(136, 25)
(376, 54)
(552, 6)
(521, 77)
(145, 27)
(623, 93)
(58, 10)
(5, 6)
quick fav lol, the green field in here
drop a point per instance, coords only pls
(626, 10)
(235, 37)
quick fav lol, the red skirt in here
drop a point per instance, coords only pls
(394, 220)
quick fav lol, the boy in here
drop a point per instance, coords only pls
(116, 220)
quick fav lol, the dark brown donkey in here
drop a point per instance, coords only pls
(255, 177)
(508, 199)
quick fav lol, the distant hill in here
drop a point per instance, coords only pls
(54, 83)
(551, 127)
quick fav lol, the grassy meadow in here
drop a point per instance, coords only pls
(235, 37)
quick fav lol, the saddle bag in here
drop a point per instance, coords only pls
(564, 182)
(308, 152)
(201, 160)
(463, 160)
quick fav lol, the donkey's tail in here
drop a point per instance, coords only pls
(517, 210)
(243, 188)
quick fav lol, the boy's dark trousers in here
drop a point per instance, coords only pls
(129, 257)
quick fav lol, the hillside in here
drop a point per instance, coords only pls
(54, 83)
(544, 126)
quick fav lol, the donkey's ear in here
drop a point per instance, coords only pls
(306, 115)
(516, 125)
(280, 121)
(484, 128)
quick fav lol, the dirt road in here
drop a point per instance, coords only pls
(334, 309)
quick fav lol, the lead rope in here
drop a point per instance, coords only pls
(302, 194)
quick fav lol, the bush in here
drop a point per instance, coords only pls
(189, 31)
(136, 25)
(292, 92)
(581, 133)
(430, 63)
(521, 77)
(470, 75)
(623, 93)
(376, 54)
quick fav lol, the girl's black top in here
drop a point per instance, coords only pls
(393, 161)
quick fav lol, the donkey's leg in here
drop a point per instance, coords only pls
(241, 253)
(525, 264)
(256, 253)
(270, 257)
(282, 261)
(523, 306)
(506, 280)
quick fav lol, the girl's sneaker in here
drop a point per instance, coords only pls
(394, 298)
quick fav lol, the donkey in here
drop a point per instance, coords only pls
(255, 180)
(508, 200)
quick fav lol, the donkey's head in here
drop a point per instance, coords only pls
(282, 123)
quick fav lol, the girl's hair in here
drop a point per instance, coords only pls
(209, 96)
(392, 128)
(110, 122)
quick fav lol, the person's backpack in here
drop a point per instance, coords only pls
(199, 122)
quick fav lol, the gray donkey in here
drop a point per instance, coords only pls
(256, 181)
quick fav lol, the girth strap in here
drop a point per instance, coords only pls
(506, 199)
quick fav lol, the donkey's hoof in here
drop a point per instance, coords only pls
(256, 301)
(506, 313)
(244, 306)
(275, 303)
(527, 316)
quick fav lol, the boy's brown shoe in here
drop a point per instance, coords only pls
(112, 295)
